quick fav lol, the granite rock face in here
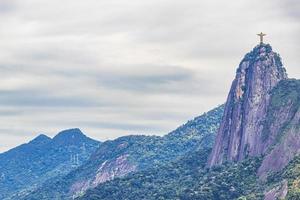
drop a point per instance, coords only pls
(108, 170)
(278, 192)
(241, 133)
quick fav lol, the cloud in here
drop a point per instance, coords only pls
(39, 98)
(6, 6)
(291, 8)
(151, 78)
(116, 67)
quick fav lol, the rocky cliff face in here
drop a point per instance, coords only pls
(241, 133)
(108, 170)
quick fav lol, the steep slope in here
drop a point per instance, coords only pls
(261, 119)
(260, 129)
(241, 131)
(133, 153)
(26, 167)
(282, 125)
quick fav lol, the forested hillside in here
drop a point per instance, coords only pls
(128, 154)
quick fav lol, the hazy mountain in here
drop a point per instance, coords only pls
(27, 166)
(129, 154)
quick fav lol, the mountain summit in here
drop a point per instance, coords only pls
(40, 140)
(241, 133)
(30, 165)
(70, 137)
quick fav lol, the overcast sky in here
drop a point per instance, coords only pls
(116, 67)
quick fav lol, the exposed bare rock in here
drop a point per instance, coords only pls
(117, 168)
(107, 171)
(241, 130)
(278, 192)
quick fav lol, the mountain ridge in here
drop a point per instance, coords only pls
(129, 154)
(27, 166)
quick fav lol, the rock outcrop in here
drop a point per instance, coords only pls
(108, 170)
(241, 133)
(278, 192)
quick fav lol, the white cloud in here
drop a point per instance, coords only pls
(118, 67)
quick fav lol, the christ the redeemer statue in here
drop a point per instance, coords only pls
(261, 35)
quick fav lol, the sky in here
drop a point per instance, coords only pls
(116, 67)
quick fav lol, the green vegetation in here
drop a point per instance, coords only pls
(285, 98)
(291, 173)
(28, 166)
(286, 92)
(173, 167)
(144, 152)
(185, 179)
(188, 179)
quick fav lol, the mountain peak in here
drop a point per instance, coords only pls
(264, 53)
(70, 136)
(73, 132)
(30, 165)
(240, 132)
(40, 139)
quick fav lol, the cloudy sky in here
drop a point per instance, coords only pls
(116, 67)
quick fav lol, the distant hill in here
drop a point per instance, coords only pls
(27, 166)
(130, 154)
